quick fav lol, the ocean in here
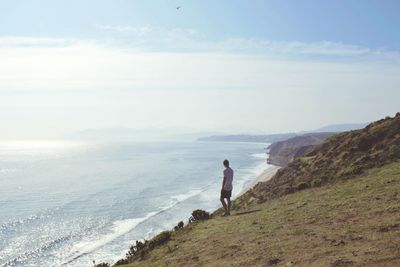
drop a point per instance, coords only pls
(67, 204)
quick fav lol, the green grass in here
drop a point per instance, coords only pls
(349, 222)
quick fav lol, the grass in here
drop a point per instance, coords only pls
(353, 222)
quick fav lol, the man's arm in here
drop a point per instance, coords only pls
(223, 183)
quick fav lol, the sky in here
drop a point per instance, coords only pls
(220, 66)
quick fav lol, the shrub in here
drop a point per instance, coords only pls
(103, 264)
(121, 262)
(138, 250)
(179, 226)
(199, 215)
(160, 239)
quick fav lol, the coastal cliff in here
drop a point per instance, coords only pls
(281, 153)
(337, 205)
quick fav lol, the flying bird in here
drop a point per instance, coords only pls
(178, 7)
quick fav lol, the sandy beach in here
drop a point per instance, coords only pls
(263, 177)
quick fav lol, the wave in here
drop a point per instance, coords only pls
(5, 171)
(184, 196)
(13, 224)
(34, 253)
(122, 227)
(259, 155)
(118, 229)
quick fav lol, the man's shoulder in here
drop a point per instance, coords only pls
(228, 170)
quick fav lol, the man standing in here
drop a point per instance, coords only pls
(226, 191)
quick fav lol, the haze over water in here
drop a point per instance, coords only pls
(67, 203)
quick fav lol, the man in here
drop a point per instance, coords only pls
(226, 191)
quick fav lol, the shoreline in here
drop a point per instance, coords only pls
(266, 175)
(263, 177)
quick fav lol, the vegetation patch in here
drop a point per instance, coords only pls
(199, 215)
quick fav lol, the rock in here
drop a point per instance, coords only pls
(359, 237)
(341, 262)
(273, 261)
(388, 228)
(302, 205)
(338, 243)
(302, 186)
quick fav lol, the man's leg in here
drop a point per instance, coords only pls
(229, 205)
(224, 204)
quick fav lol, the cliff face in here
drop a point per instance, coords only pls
(341, 157)
(283, 152)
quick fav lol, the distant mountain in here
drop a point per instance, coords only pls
(270, 138)
(283, 152)
(340, 127)
(122, 134)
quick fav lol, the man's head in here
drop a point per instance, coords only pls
(226, 163)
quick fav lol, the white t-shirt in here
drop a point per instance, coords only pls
(228, 174)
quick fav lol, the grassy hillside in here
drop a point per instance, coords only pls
(342, 156)
(349, 214)
(350, 222)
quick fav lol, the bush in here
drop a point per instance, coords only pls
(121, 262)
(199, 215)
(160, 239)
(103, 264)
(179, 226)
(138, 250)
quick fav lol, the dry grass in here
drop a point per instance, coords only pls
(354, 222)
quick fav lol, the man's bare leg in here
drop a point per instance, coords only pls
(224, 205)
(229, 206)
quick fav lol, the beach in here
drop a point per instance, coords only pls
(263, 177)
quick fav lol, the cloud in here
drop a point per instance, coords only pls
(150, 38)
(72, 64)
(155, 38)
(295, 47)
(24, 41)
(142, 30)
(69, 84)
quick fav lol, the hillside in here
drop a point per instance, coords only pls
(353, 222)
(336, 206)
(341, 157)
(281, 153)
(341, 127)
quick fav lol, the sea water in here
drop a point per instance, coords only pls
(67, 204)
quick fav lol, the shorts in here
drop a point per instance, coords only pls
(226, 194)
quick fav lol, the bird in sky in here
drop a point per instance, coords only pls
(178, 7)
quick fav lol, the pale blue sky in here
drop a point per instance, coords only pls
(231, 66)
(369, 23)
